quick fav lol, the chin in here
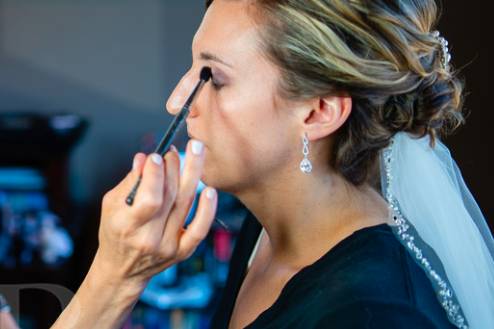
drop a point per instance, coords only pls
(210, 173)
(220, 177)
(215, 179)
(211, 178)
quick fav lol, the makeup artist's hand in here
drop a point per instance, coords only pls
(138, 241)
(141, 240)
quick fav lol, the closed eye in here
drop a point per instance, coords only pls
(216, 84)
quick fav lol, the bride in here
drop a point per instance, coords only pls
(325, 119)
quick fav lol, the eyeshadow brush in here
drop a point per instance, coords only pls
(166, 141)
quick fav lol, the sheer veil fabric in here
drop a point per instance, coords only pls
(437, 219)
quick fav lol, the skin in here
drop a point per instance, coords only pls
(253, 141)
(252, 148)
(7, 321)
(139, 241)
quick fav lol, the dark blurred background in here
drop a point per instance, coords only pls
(93, 76)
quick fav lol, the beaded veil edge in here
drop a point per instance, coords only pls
(408, 236)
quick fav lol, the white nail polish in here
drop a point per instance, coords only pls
(210, 193)
(134, 164)
(157, 158)
(197, 147)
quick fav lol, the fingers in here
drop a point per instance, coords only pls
(198, 229)
(149, 197)
(138, 163)
(161, 205)
(179, 94)
(172, 178)
(192, 172)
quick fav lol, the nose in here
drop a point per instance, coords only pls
(182, 91)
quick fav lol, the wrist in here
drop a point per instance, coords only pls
(103, 276)
(104, 300)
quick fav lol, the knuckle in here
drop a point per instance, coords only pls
(124, 232)
(150, 202)
(196, 238)
(146, 248)
(171, 192)
(108, 197)
(186, 254)
(169, 251)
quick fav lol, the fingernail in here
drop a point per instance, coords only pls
(210, 193)
(134, 163)
(173, 148)
(197, 147)
(157, 158)
(175, 102)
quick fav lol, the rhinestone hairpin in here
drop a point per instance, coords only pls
(445, 54)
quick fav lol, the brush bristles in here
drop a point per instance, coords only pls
(206, 73)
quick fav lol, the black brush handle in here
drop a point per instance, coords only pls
(130, 198)
(166, 141)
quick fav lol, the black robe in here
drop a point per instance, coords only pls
(368, 280)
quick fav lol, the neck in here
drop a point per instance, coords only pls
(306, 215)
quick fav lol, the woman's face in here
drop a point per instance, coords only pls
(248, 131)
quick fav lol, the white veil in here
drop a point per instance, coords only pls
(437, 219)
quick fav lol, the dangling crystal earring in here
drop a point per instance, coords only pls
(305, 164)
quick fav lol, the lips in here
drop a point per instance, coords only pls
(191, 136)
(189, 131)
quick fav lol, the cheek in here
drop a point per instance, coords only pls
(232, 131)
(229, 150)
(246, 139)
(246, 136)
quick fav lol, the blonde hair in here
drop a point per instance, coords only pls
(381, 53)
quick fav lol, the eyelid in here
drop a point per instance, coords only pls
(218, 76)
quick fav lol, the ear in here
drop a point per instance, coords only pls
(326, 115)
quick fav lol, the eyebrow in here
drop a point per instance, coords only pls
(211, 57)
